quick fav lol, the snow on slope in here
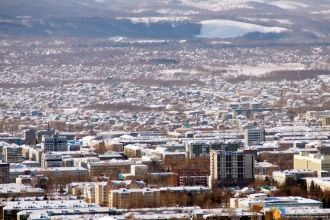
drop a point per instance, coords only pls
(148, 20)
(288, 4)
(219, 5)
(229, 29)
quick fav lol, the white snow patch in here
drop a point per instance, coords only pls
(262, 69)
(219, 5)
(324, 12)
(230, 29)
(148, 20)
(221, 42)
(177, 12)
(281, 21)
(288, 4)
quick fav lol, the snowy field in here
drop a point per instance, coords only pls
(229, 29)
(220, 5)
(149, 20)
(262, 69)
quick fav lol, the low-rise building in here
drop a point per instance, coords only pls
(263, 201)
(314, 162)
(290, 177)
(265, 168)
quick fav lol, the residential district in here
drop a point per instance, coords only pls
(249, 162)
(123, 130)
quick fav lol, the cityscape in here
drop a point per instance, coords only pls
(170, 109)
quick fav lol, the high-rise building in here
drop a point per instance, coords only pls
(54, 143)
(254, 136)
(231, 167)
(40, 133)
(29, 136)
(196, 149)
(4, 172)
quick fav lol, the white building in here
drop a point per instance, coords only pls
(261, 199)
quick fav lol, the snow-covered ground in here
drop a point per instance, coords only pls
(148, 20)
(262, 69)
(323, 12)
(280, 21)
(288, 4)
(219, 5)
(177, 12)
(229, 29)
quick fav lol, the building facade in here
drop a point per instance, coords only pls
(4, 173)
(54, 143)
(12, 154)
(313, 162)
(254, 136)
(231, 167)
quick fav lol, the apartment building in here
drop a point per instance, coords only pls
(47, 132)
(134, 198)
(4, 172)
(12, 154)
(111, 168)
(192, 177)
(317, 114)
(149, 197)
(231, 167)
(201, 148)
(254, 136)
(51, 160)
(102, 189)
(30, 136)
(54, 143)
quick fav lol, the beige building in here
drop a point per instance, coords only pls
(313, 162)
(326, 121)
(133, 151)
(102, 189)
(150, 197)
(317, 114)
(111, 168)
(290, 177)
(134, 198)
(101, 193)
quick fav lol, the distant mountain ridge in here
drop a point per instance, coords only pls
(304, 21)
